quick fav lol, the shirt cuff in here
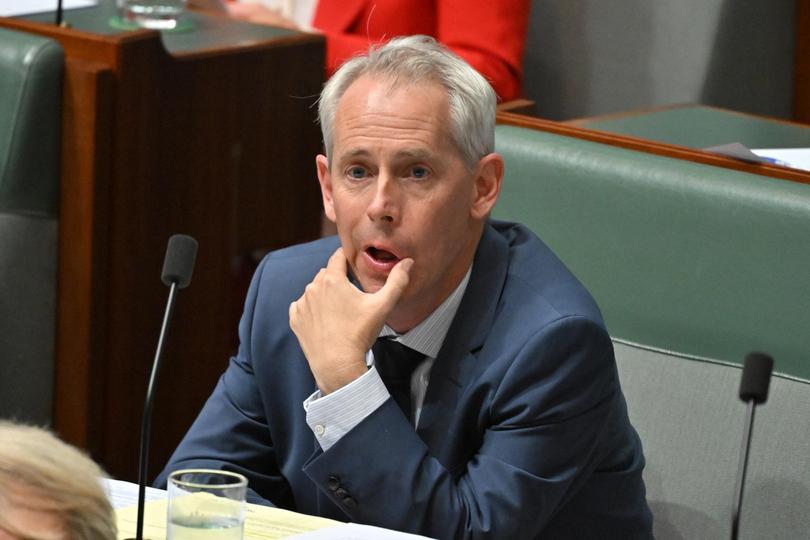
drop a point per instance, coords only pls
(332, 416)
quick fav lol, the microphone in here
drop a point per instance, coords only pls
(756, 378)
(178, 264)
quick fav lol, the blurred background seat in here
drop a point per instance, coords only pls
(31, 70)
(592, 57)
(693, 266)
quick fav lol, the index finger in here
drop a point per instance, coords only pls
(337, 262)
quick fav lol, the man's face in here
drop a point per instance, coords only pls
(398, 187)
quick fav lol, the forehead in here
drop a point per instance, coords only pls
(378, 108)
(377, 92)
(33, 524)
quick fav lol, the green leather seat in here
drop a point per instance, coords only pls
(693, 267)
(31, 69)
(687, 257)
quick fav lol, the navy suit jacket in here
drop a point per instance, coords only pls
(523, 433)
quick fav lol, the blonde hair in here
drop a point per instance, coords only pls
(38, 472)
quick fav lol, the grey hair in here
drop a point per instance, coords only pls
(418, 59)
(38, 472)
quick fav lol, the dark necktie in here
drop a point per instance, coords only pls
(395, 363)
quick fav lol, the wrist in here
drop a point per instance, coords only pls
(338, 378)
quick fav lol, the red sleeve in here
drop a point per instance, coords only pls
(341, 46)
(490, 35)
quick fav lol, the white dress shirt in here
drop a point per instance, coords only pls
(332, 416)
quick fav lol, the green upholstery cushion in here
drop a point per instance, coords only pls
(27, 316)
(30, 120)
(702, 127)
(31, 69)
(691, 422)
(682, 256)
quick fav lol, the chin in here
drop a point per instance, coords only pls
(370, 285)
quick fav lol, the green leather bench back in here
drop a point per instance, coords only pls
(30, 120)
(680, 256)
(31, 70)
(693, 266)
(701, 127)
(691, 424)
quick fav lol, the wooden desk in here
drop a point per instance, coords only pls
(209, 133)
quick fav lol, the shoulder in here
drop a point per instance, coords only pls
(310, 256)
(548, 329)
(284, 273)
(538, 283)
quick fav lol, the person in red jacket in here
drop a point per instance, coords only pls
(489, 34)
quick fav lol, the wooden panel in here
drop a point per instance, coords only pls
(217, 143)
(86, 132)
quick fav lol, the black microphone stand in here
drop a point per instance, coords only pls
(742, 469)
(146, 421)
(59, 13)
(177, 268)
(756, 378)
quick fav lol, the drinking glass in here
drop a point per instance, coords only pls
(206, 504)
(155, 14)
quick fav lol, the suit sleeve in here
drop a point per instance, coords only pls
(541, 430)
(231, 431)
(489, 34)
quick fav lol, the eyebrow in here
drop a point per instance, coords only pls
(408, 153)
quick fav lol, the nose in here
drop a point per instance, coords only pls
(384, 206)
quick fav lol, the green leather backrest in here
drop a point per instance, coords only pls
(30, 120)
(690, 421)
(680, 256)
(702, 127)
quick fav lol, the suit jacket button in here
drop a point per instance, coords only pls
(349, 503)
(341, 493)
(333, 482)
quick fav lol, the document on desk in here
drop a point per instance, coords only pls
(122, 494)
(797, 158)
(261, 522)
(353, 531)
(13, 8)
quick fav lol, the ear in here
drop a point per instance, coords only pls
(487, 185)
(325, 179)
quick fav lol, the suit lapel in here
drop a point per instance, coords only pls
(456, 363)
(337, 15)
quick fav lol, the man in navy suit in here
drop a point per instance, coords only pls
(509, 422)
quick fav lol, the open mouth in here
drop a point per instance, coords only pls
(381, 255)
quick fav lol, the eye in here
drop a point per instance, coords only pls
(419, 172)
(356, 172)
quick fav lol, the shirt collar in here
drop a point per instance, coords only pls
(428, 336)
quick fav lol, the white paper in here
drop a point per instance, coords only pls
(13, 8)
(353, 531)
(123, 494)
(797, 158)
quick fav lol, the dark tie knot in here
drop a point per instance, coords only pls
(395, 363)
(395, 360)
